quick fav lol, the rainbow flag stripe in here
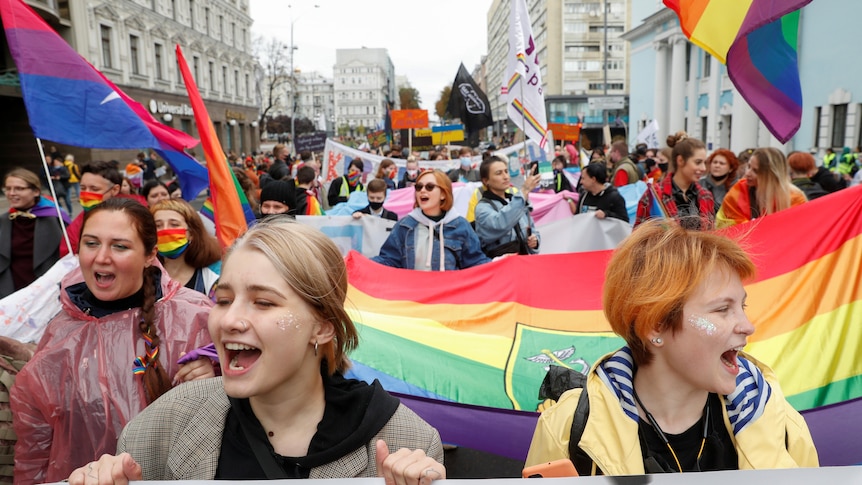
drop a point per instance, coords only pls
(529, 117)
(477, 342)
(172, 242)
(313, 207)
(88, 200)
(757, 40)
(230, 208)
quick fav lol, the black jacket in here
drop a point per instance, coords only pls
(608, 201)
(386, 214)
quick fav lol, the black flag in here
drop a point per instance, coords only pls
(468, 102)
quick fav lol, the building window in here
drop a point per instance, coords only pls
(207, 20)
(106, 46)
(703, 121)
(224, 79)
(133, 54)
(196, 66)
(817, 111)
(157, 48)
(192, 13)
(174, 9)
(687, 61)
(839, 124)
(578, 49)
(236, 81)
(242, 40)
(233, 34)
(221, 27)
(707, 65)
(212, 76)
(247, 88)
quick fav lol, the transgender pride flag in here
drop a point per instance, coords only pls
(69, 101)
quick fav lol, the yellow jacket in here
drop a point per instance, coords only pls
(610, 436)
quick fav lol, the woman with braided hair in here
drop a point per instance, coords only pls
(110, 352)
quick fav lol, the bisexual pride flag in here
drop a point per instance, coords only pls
(468, 349)
(69, 101)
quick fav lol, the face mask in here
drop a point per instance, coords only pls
(412, 173)
(352, 180)
(172, 242)
(89, 200)
(466, 163)
(375, 206)
(557, 171)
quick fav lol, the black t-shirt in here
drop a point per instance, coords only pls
(719, 452)
(608, 201)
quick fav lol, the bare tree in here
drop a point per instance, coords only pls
(272, 55)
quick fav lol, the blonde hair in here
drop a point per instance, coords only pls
(311, 264)
(655, 271)
(773, 181)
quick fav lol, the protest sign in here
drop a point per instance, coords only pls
(311, 142)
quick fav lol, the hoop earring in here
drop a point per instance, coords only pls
(315, 348)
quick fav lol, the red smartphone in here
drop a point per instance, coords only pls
(552, 469)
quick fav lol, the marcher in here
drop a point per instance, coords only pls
(342, 187)
(30, 234)
(277, 197)
(110, 352)
(503, 221)
(681, 395)
(100, 181)
(599, 196)
(189, 254)
(432, 237)
(282, 408)
(681, 195)
(376, 190)
(765, 189)
(722, 165)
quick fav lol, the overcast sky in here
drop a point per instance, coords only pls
(426, 40)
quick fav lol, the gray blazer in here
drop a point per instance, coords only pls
(178, 437)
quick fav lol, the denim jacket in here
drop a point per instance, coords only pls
(460, 243)
(495, 221)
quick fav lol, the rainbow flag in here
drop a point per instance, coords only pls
(313, 207)
(471, 347)
(757, 39)
(231, 211)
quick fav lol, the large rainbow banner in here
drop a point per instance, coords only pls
(468, 349)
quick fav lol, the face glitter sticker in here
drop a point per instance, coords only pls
(287, 321)
(703, 324)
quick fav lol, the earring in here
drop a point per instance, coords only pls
(656, 340)
(315, 348)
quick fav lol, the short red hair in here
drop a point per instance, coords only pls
(655, 271)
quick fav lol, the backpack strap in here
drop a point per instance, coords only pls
(557, 381)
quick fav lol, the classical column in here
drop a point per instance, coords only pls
(660, 109)
(676, 119)
(744, 133)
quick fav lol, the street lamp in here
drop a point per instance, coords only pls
(293, 85)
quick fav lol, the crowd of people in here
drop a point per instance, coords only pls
(173, 359)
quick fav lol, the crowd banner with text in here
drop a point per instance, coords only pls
(311, 142)
(409, 118)
(565, 132)
(337, 156)
(364, 235)
(649, 135)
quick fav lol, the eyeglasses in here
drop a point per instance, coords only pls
(12, 190)
(429, 187)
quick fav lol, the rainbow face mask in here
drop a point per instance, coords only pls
(89, 200)
(172, 242)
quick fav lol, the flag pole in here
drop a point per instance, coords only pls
(523, 121)
(54, 195)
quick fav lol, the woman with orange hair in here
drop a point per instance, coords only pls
(765, 189)
(680, 396)
(722, 165)
(432, 237)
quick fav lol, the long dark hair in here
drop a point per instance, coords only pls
(155, 378)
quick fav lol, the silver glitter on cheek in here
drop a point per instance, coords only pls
(288, 321)
(703, 324)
